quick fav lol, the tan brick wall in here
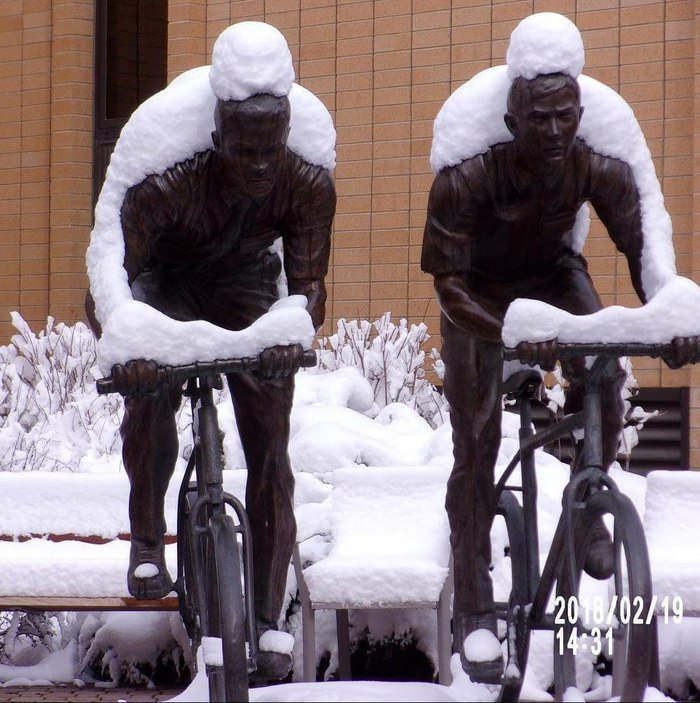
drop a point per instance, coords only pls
(72, 68)
(383, 68)
(46, 58)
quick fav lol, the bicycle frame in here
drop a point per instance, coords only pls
(211, 498)
(540, 584)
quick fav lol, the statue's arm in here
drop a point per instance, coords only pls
(615, 197)
(450, 228)
(464, 311)
(306, 235)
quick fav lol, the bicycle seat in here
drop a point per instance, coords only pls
(525, 382)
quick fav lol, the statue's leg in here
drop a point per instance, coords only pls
(262, 412)
(149, 450)
(573, 291)
(472, 384)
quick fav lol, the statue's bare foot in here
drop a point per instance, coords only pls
(148, 577)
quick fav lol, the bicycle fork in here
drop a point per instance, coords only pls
(212, 500)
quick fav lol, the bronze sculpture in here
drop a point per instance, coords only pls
(500, 227)
(198, 246)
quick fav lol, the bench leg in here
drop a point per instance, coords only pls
(308, 623)
(343, 628)
(444, 640)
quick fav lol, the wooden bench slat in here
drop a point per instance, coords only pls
(80, 604)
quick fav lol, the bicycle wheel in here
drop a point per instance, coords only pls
(186, 584)
(626, 628)
(513, 613)
(228, 671)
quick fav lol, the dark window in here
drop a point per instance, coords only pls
(130, 66)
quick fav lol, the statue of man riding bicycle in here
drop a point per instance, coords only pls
(503, 222)
(200, 244)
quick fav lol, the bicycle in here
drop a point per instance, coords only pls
(215, 597)
(626, 628)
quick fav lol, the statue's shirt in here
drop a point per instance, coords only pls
(491, 222)
(191, 235)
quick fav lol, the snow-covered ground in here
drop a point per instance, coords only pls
(337, 427)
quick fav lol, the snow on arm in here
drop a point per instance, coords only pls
(137, 328)
(169, 128)
(672, 312)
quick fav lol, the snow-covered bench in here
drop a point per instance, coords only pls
(64, 540)
(671, 524)
(389, 549)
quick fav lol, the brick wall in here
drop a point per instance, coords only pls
(45, 157)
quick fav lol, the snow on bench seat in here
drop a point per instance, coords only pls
(389, 548)
(672, 527)
(64, 540)
(69, 574)
(91, 507)
(390, 539)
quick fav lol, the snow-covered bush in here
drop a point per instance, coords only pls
(51, 417)
(391, 358)
(635, 417)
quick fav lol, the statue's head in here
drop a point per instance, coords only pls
(251, 140)
(543, 116)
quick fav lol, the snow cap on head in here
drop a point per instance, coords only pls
(545, 42)
(250, 58)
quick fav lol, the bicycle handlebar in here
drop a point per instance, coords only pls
(171, 374)
(571, 350)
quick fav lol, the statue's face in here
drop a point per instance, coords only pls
(253, 148)
(546, 125)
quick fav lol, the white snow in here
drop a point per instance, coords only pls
(250, 58)
(276, 641)
(145, 571)
(671, 313)
(213, 651)
(286, 322)
(471, 120)
(481, 646)
(542, 43)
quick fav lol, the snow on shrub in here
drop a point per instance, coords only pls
(51, 418)
(391, 358)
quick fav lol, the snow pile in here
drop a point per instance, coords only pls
(168, 128)
(250, 58)
(671, 313)
(50, 414)
(390, 538)
(471, 121)
(286, 322)
(545, 43)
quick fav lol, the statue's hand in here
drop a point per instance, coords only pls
(136, 378)
(543, 354)
(280, 361)
(686, 350)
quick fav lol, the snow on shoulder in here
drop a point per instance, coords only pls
(172, 126)
(471, 121)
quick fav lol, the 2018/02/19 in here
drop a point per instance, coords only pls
(620, 609)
